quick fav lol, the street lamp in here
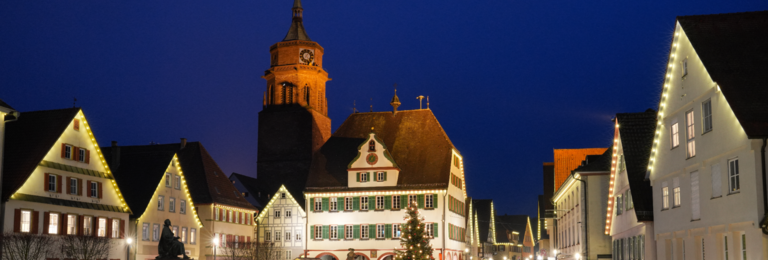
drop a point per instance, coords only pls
(128, 242)
(578, 256)
(215, 245)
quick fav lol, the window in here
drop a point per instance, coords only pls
(429, 201)
(160, 202)
(53, 224)
(115, 228)
(380, 231)
(184, 235)
(412, 200)
(743, 246)
(71, 224)
(282, 195)
(26, 221)
(348, 232)
(364, 203)
(278, 254)
(364, 176)
(183, 207)
(725, 246)
(155, 232)
(288, 213)
(395, 230)
(684, 68)
(675, 135)
(706, 112)
(267, 235)
(171, 204)
(145, 231)
(364, 231)
(87, 224)
(298, 235)
(334, 233)
(318, 204)
(288, 236)
(102, 232)
(277, 213)
(52, 183)
(690, 133)
(81, 155)
(68, 151)
(430, 229)
(372, 146)
(334, 204)
(167, 179)
(318, 232)
(619, 204)
(177, 182)
(676, 191)
(229, 216)
(664, 196)
(395, 202)
(379, 202)
(381, 176)
(175, 230)
(733, 176)
(695, 206)
(94, 189)
(193, 236)
(72, 186)
(348, 204)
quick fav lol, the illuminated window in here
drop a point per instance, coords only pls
(193, 236)
(412, 200)
(115, 228)
(334, 204)
(664, 196)
(675, 135)
(171, 204)
(690, 133)
(87, 225)
(430, 229)
(160, 202)
(395, 230)
(175, 230)
(26, 221)
(167, 179)
(53, 224)
(184, 235)
(102, 232)
(71, 224)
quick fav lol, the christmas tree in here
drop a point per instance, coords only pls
(413, 237)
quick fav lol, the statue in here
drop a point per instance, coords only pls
(169, 246)
(351, 255)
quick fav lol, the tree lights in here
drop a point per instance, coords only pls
(414, 238)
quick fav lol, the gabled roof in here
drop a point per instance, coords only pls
(483, 210)
(263, 191)
(414, 138)
(138, 170)
(636, 131)
(568, 159)
(3, 104)
(598, 163)
(30, 138)
(506, 224)
(206, 181)
(265, 210)
(733, 49)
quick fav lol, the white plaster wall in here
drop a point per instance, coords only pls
(295, 224)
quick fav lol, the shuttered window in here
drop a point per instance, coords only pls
(695, 206)
(395, 202)
(717, 189)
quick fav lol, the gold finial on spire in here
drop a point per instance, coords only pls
(395, 101)
(420, 98)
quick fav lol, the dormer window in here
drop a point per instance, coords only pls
(372, 146)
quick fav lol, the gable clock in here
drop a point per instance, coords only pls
(307, 56)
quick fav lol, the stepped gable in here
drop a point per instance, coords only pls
(139, 170)
(414, 138)
(733, 49)
(30, 138)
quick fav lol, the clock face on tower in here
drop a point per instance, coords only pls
(307, 56)
(372, 158)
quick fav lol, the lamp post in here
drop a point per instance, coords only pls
(215, 245)
(128, 242)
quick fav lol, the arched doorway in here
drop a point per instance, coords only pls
(327, 256)
(387, 256)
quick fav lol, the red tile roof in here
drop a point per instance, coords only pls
(566, 160)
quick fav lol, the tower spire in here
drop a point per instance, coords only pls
(297, 31)
(395, 100)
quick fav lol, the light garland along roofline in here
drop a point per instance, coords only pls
(471, 220)
(477, 230)
(265, 210)
(612, 179)
(219, 205)
(191, 205)
(461, 165)
(367, 193)
(493, 224)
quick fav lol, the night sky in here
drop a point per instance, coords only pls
(508, 80)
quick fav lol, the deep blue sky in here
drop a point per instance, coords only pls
(508, 80)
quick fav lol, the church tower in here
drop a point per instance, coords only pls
(293, 123)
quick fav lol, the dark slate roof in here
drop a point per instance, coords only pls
(297, 31)
(139, 170)
(30, 138)
(483, 210)
(3, 104)
(636, 131)
(601, 163)
(505, 224)
(733, 48)
(207, 183)
(262, 191)
(414, 138)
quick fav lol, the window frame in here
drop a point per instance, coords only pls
(413, 198)
(364, 203)
(192, 236)
(318, 232)
(287, 236)
(68, 151)
(348, 204)
(87, 225)
(706, 116)
(288, 213)
(298, 235)
(381, 231)
(115, 228)
(333, 232)
(161, 203)
(349, 232)
(50, 226)
(177, 182)
(690, 134)
(664, 197)
(380, 202)
(333, 204)
(396, 231)
(674, 135)
(733, 164)
(155, 232)
(52, 178)
(94, 189)
(277, 213)
(73, 186)
(171, 204)
(396, 202)
(182, 206)
(167, 179)
(430, 229)
(102, 227)
(429, 202)
(318, 202)
(71, 227)
(380, 176)
(365, 232)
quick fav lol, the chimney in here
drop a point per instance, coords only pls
(115, 156)
(183, 143)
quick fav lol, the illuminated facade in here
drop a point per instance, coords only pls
(57, 182)
(485, 227)
(282, 221)
(706, 163)
(369, 171)
(513, 238)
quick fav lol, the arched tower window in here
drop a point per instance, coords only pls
(270, 92)
(306, 94)
(372, 146)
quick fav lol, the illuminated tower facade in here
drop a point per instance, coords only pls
(294, 122)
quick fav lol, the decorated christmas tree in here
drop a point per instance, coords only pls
(414, 238)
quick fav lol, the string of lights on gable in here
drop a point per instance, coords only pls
(103, 161)
(461, 165)
(612, 181)
(493, 224)
(186, 190)
(265, 211)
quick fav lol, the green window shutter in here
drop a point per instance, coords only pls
(385, 176)
(388, 230)
(368, 175)
(404, 201)
(341, 234)
(371, 202)
(312, 232)
(372, 231)
(325, 204)
(420, 200)
(387, 203)
(434, 201)
(435, 228)
(356, 231)
(325, 231)
(358, 177)
(340, 206)
(356, 203)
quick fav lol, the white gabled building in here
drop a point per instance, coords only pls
(629, 219)
(369, 170)
(57, 182)
(282, 222)
(707, 165)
